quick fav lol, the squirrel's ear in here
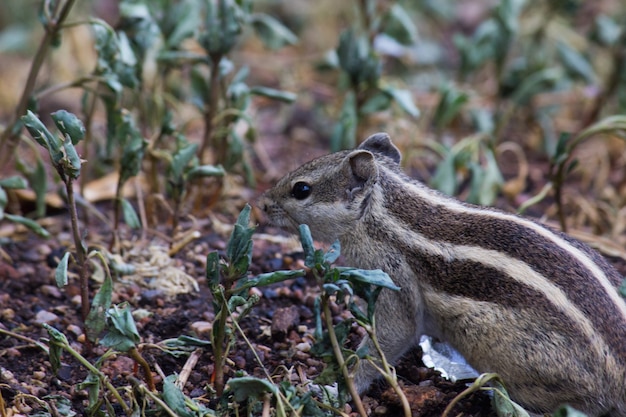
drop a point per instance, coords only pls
(380, 143)
(363, 166)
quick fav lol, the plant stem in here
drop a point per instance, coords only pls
(211, 111)
(10, 136)
(388, 373)
(218, 344)
(25, 339)
(328, 317)
(103, 379)
(134, 353)
(80, 255)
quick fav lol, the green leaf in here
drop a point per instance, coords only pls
(575, 63)
(4, 199)
(174, 397)
(279, 95)
(271, 278)
(444, 179)
(181, 22)
(486, 182)
(333, 253)
(122, 334)
(373, 277)
(96, 319)
(130, 215)
(503, 404)
(71, 162)
(399, 26)
(272, 33)
(213, 269)
(182, 158)
(249, 387)
(606, 31)
(344, 133)
(622, 288)
(14, 182)
(57, 342)
(43, 136)
(537, 82)
(92, 385)
(378, 102)
(450, 105)
(134, 147)
(404, 98)
(568, 411)
(355, 57)
(222, 27)
(69, 125)
(205, 171)
(307, 246)
(60, 273)
(186, 341)
(31, 224)
(239, 248)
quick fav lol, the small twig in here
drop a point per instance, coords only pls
(147, 372)
(192, 360)
(26, 339)
(340, 360)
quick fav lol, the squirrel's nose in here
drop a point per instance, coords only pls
(263, 203)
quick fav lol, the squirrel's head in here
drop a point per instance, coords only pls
(332, 192)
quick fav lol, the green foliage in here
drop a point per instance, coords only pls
(17, 183)
(62, 153)
(361, 69)
(343, 283)
(229, 283)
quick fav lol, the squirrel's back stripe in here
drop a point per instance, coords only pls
(461, 233)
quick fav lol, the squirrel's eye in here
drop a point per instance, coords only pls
(301, 190)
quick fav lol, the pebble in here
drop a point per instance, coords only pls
(7, 314)
(44, 316)
(303, 347)
(74, 329)
(39, 375)
(381, 410)
(201, 327)
(51, 291)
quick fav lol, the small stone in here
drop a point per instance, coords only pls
(381, 410)
(7, 314)
(303, 347)
(39, 375)
(284, 319)
(74, 329)
(201, 327)
(51, 291)
(46, 317)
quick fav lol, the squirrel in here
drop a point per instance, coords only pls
(514, 297)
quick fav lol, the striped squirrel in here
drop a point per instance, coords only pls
(512, 296)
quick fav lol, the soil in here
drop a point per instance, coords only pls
(280, 329)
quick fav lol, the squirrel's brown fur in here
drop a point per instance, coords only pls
(533, 305)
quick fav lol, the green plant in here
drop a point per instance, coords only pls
(67, 164)
(52, 15)
(229, 283)
(361, 68)
(344, 283)
(17, 183)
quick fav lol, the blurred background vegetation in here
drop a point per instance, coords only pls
(485, 98)
(168, 111)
